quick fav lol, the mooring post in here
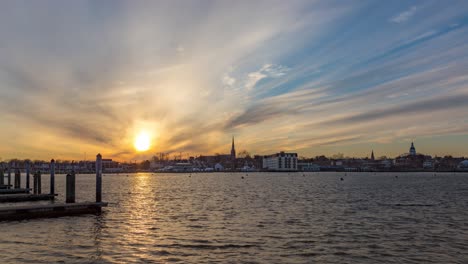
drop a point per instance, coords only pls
(2, 177)
(27, 174)
(17, 179)
(9, 177)
(39, 182)
(70, 190)
(52, 176)
(35, 183)
(98, 178)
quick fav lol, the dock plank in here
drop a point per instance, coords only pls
(23, 197)
(49, 210)
(14, 191)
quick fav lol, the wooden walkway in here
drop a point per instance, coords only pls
(13, 191)
(23, 197)
(49, 210)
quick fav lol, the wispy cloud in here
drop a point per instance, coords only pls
(405, 15)
(278, 75)
(267, 71)
(228, 80)
(423, 106)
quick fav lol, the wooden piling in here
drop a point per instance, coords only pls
(27, 174)
(39, 182)
(17, 179)
(98, 178)
(9, 176)
(70, 188)
(35, 177)
(52, 176)
(2, 177)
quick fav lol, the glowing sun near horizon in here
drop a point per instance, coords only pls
(142, 141)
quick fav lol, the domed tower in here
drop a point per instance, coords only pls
(412, 150)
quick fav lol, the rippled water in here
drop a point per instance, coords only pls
(263, 218)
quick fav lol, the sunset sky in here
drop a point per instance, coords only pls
(313, 77)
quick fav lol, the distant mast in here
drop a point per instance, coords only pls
(412, 150)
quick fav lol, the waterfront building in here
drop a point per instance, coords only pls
(463, 166)
(108, 165)
(428, 164)
(218, 167)
(281, 161)
(226, 160)
(307, 166)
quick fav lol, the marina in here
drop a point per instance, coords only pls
(69, 208)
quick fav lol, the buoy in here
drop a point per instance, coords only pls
(242, 177)
(342, 179)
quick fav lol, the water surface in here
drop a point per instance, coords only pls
(263, 218)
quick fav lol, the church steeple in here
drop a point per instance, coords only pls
(233, 149)
(372, 155)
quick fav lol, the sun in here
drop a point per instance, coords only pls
(142, 141)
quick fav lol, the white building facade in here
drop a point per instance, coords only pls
(280, 162)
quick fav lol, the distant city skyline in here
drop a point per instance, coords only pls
(130, 79)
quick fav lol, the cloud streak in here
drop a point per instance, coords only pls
(405, 15)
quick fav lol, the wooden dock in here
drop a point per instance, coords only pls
(14, 191)
(49, 210)
(24, 197)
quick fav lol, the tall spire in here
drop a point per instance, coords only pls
(372, 155)
(233, 149)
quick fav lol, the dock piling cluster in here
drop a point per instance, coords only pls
(47, 210)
